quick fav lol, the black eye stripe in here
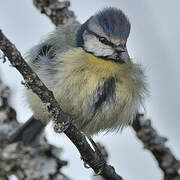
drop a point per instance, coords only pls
(105, 41)
(102, 39)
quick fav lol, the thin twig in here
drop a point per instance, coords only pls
(156, 145)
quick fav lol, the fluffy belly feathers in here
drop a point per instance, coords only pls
(99, 95)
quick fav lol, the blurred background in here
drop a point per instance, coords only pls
(154, 42)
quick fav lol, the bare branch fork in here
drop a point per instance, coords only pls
(32, 81)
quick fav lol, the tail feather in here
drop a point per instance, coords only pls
(28, 133)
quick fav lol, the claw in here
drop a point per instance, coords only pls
(97, 150)
(86, 165)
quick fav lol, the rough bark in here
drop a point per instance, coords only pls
(40, 162)
(156, 145)
(57, 11)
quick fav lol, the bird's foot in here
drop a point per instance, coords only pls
(100, 163)
(97, 149)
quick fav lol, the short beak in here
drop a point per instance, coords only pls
(123, 54)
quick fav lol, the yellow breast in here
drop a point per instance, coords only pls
(82, 70)
(82, 65)
(108, 68)
(107, 65)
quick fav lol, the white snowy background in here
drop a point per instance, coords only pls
(154, 41)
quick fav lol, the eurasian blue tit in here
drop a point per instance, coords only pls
(89, 70)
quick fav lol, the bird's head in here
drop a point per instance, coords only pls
(105, 35)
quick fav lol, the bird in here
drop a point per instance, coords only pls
(88, 68)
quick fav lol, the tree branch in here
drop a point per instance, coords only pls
(59, 14)
(57, 11)
(20, 161)
(32, 81)
(156, 145)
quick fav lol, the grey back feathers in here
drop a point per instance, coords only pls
(43, 57)
(59, 41)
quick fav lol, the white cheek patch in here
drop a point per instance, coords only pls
(92, 44)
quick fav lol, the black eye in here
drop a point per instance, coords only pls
(103, 40)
